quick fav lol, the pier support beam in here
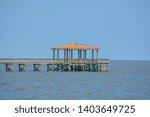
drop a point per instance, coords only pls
(9, 67)
(104, 68)
(21, 67)
(36, 67)
(49, 67)
(66, 67)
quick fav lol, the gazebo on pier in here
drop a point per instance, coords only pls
(74, 58)
(69, 50)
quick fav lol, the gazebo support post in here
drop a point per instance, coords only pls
(67, 55)
(71, 54)
(97, 55)
(54, 54)
(92, 55)
(57, 53)
(82, 54)
(79, 54)
(64, 56)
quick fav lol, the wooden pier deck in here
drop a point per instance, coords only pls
(52, 61)
(58, 64)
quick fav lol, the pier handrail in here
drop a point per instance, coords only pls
(52, 61)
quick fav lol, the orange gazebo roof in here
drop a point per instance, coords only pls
(75, 45)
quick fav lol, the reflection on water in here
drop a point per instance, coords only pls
(126, 80)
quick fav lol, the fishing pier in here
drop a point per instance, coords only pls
(68, 57)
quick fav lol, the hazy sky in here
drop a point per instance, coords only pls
(121, 28)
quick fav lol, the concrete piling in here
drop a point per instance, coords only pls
(21, 67)
(9, 67)
(63, 67)
(36, 67)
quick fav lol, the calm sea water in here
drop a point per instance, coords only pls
(125, 80)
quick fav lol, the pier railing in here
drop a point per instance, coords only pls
(86, 61)
(52, 61)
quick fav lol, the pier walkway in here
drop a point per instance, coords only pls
(57, 65)
(52, 61)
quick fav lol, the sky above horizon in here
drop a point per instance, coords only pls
(120, 28)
